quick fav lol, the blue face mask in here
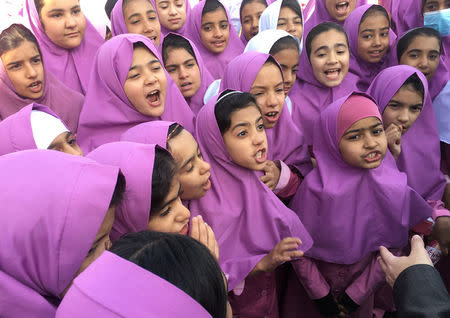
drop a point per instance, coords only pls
(438, 20)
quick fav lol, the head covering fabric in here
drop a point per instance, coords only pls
(420, 156)
(42, 251)
(154, 132)
(183, 30)
(136, 163)
(264, 40)
(107, 112)
(64, 101)
(254, 209)
(99, 293)
(215, 63)
(72, 67)
(16, 131)
(242, 35)
(365, 71)
(45, 128)
(351, 211)
(240, 74)
(406, 15)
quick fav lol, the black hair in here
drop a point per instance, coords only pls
(229, 104)
(164, 170)
(180, 260)
(294, 6)
(13, 36)
(415, 83)
(173, 131)
(39, 4)
(109, 6)
(175, 41)
(245, 2)
(319, 29)
(119, 190)
(211, 6)
(373, 10)
(406, 40)
(284, 43)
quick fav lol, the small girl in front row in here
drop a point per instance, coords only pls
(353, 202)
(255, 231)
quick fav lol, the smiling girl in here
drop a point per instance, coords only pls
(25, 79)
(129, 87)
(370, 39)
(68, 41)
(249, 13)
(212, 33)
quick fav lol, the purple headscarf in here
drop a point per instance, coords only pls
(136, 163)
(107, 112)
(99, 293)
(183, 29)
(41, 252)
(242, 35)
(215, 63)
(365, 71)
(72, 67)
(246, 216)
(285, 140)
(406, 15)
(61, 99)
(154, 132)
(440, 77)
(351, 211)
(420, 157)
(196, 101)
(312, 97)
(16, 133)
(320, 14)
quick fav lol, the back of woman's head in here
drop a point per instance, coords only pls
(13, 36)
(180, 260)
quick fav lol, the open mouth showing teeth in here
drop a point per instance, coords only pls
(259, 154)
(371, 155)
(342, 6)
(34, 84)
(272, 114)
(153, 97)
(186, 84)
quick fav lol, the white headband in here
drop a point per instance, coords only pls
(228, 94)
(45, 128)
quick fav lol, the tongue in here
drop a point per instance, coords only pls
(341, 8)
(153, 97)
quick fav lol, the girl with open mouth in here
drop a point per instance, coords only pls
(249, 13)
(129, 86)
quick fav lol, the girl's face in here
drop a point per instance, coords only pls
(140, 18)
(246, 140)
(184, 70)
(172, 13)
(25, 70)
(288, 60)
(290, 22)
(373, 38)
(193, 170)
(340, 9)
(63, 22)
(330, 58)
(67, 143)
(173, 216)
(423, 53)
(403, 109)
(146, 84)
(364, 144)
(251, 13)
(435, 5)
(268, 90)
(215, 32)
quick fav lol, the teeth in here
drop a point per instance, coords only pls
(371, 155)
(259, 154)
(271, 114)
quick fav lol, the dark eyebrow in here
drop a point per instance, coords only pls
(323, 47)
(190, 159)
(96, 242)
(361, 129)
(259, 119)
(173, 199)
(154, 61)
(373, 30)
(66, 137)
(189, 61)
(240, 125)
(207, 23)
(134, 15)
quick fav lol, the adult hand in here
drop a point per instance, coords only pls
(394, 139)
(392, 266)
(203, 233)
(271, 175)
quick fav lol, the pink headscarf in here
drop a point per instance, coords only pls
(72, 67)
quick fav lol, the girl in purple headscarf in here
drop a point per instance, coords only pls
(136, 16)
(173, 15)
(249, 12)
(68, 40)
(211, 31)
(24, 78)
(260, 75)
(72, 199)
(129, 86)
(370, 39)
(185, 65)
(36, 127)
(193, 172)
(323, 75)
(350, 148)
(239, 207)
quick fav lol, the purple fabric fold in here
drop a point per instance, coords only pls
(107, 112)
(239, 207)
(99, 293)
(351, 211)
(406, 15)
(154, 132)
(420, 157)
(72, 67)
(41, 252)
